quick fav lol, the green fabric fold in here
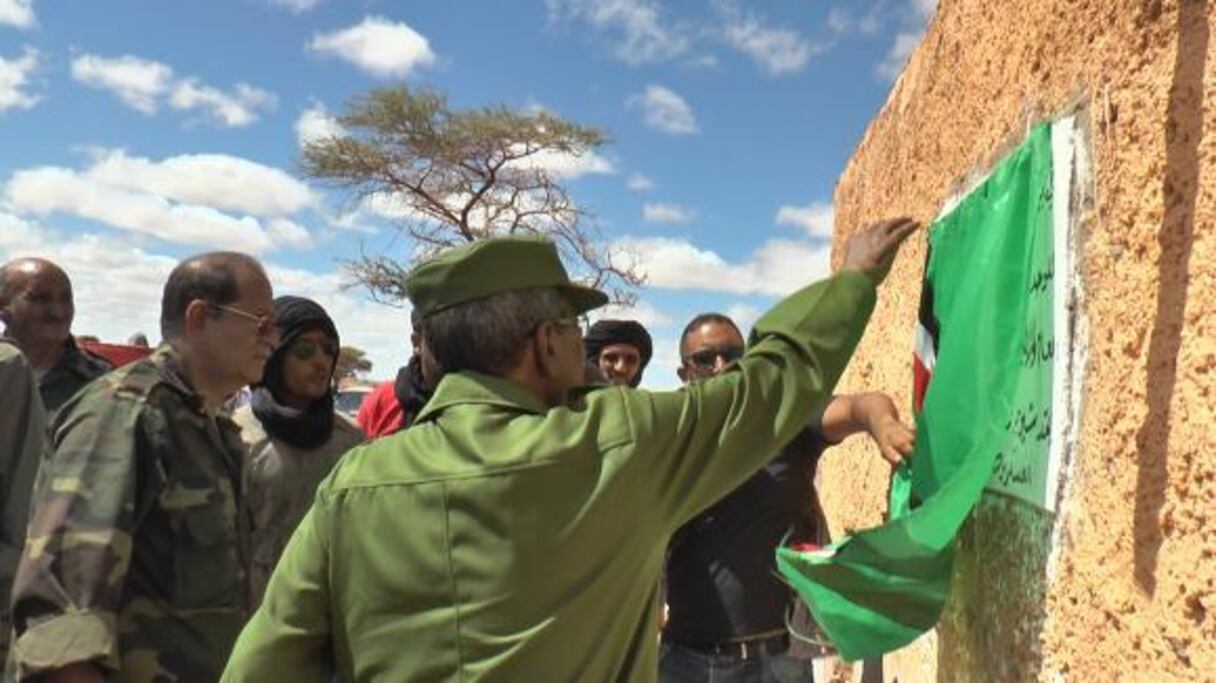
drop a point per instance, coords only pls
(879, 589)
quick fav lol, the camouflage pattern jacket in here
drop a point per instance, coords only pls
(74, 369)
(137, 557)
(281, 482)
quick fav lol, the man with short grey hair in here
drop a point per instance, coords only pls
(516, 532)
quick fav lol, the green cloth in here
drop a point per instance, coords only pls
(879, 589)
(137, 553)
(497, 540)
(493, 266)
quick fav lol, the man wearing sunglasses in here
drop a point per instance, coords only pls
(137, 561)
(728, 611)
(293, 433)
(517, 530)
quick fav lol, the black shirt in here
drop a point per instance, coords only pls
(721, 572)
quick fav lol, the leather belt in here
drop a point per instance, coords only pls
(747, 648)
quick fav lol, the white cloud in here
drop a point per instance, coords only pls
(50, 189)
(665, 110)
(14, 78)
(142, 83)
(644, 37)
(117, 287)
(296, 6)
(777, 50)
(137, 82)
(665, 213)
(744, 315)
(924, 8)
(816, 218)
(381, 47)
(230, 109)
(316, 123)
(287, 233)
(893, 63)
(19, 13)
(777, 268)
(642, 311)
(569, 166)
(917, 15)
(839, 20)
(639, 183)
(215, 180)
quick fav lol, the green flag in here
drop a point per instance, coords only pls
(988, 402)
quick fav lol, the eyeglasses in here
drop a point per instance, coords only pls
(707, 359)
(265, 322)
(305, 349)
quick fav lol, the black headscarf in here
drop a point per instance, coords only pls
(309, 428)
(411, 390)
(608, 332)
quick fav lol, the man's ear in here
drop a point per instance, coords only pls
(682, 373)
(195, 318)
(545, 349)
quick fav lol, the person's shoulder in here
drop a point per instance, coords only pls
(249, 425)
(11, 356)
(91, 364)
(347, 429)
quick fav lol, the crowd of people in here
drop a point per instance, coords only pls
(510, 507)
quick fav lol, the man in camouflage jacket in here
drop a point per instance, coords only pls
(37, 309)
(136, 563)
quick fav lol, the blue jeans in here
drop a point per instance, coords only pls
(679, 664)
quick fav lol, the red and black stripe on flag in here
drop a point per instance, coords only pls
(924, 356)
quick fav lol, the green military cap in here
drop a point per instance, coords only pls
(492, 266)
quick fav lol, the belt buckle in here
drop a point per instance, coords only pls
(743, 649)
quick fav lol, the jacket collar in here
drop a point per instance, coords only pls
(473, 388)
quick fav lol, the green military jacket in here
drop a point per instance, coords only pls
(137, 556)
(22, 437)
(74, 369)
(499, 540)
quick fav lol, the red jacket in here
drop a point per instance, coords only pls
(380, 414)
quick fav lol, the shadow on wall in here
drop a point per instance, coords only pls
(1180, 190)
(992, 625)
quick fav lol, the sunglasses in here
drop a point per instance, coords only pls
(305, 349)
(707, 359)
(265, 322)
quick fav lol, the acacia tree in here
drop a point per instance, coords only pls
(459, 176)
(352, 362)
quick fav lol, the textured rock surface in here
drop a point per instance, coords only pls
(1127, 588)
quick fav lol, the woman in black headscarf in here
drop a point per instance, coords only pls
(293, 434)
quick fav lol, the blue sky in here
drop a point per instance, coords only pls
(136, 133)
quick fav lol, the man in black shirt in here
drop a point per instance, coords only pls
(727, 607)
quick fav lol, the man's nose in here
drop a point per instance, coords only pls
(719, 362)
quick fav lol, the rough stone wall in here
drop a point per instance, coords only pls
(1122, 583)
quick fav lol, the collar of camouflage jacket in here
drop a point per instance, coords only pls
(173, 373)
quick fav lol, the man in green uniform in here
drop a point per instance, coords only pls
(22, 435)
(136, 563)
(515, 534)
(37, 308)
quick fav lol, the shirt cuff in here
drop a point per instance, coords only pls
(78, 636)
